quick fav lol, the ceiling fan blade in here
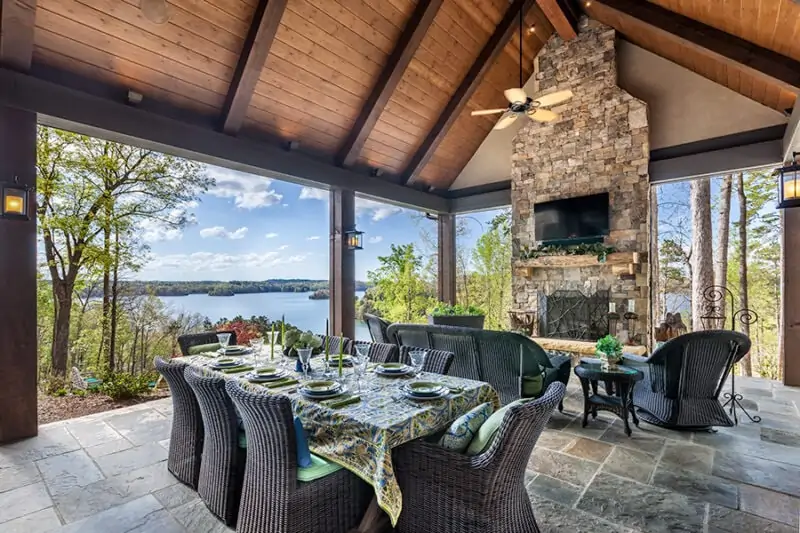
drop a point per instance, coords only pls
(543, 115)
(515, 95)
(506, 121)
(487, 112)
(554, 98)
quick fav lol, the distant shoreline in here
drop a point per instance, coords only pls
(229, 288)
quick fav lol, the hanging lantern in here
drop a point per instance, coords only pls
(354, 239)
(14, 201)
(789, 184)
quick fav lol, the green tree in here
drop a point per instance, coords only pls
(491, 260)
(400, 290)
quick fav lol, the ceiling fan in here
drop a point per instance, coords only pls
(519, 103)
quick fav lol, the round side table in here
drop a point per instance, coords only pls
(619, 401)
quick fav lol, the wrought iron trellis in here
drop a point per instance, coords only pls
(573, 314)
(714, 318)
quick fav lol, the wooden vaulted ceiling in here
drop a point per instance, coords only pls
(321, 67)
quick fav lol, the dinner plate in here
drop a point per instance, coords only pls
(410, 395)
(393, 369)
(232, 350)
(425, 389)
(326, 396)
(316, 388)
(226, 362)
(263, 378)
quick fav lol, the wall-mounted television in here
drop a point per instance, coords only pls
(583, 219)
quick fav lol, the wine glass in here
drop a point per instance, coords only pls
(418, 360)
(257, 344)
(360, 363)
(224, 340)
(305, 358)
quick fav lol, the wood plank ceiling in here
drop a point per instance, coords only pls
(771, 24)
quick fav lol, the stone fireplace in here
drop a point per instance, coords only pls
(599, 144)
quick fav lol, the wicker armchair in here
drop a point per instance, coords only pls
(198, 339)
(222, 464)
(497, 357)
(186, 437)
(449, 492)
(379, 352)
(273, 500)
(377, 328)
(684, 377)
(335, 342)
(437, 361)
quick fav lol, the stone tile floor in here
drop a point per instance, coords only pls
(107, 473)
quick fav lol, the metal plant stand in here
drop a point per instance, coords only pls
(714, 318)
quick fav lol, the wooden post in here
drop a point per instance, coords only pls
(18, 354)
(446, 284)
(791, 296)
(343, 264)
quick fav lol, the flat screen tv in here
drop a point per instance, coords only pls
(573, 220)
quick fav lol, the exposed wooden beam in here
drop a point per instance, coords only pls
(446, 245)
(502, 34)
(17, 23)
(562, 19)
(791, 138)
(263, 28)
(342, 285)
(416, 28)
(720, 45)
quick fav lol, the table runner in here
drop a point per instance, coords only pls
(360, 437)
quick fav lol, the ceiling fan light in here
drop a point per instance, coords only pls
(156, 11)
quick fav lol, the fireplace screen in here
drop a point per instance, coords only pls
(571, 314)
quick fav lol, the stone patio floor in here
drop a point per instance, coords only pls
(107, 473)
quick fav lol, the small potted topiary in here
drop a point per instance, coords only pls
(609, 350)
(457, 315)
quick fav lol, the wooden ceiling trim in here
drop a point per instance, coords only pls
(277, 86)
(279, 66)
(365, 30)
(110, 46)
(17, 28)
(397, 157)
(562, 21)
(387, 20)
(316, 61)
(466, 89)
(400, 58)
(133, 35)
(263, 28)
(710, 41)
(236, 23)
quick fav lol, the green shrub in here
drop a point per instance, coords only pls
(443, 309)
(123, 386)
(78, 392)
(54, 384)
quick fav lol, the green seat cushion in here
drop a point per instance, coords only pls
(487, 431)
(304, 457)
(202, 348)
(464, 428)
(319, 468)
(532, 386)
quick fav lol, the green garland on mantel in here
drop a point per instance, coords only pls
(597, 249)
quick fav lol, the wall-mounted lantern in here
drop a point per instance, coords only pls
(14, 201)
(354, 239)
(789, 184)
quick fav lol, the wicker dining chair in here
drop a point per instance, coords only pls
(437, 361)
(186, 437)
(450, 492)
(273, 500)
(199, 339)
(377, 328)
(335, 342)
(222, 463)
(380, 352)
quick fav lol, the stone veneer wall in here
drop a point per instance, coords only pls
(599, 144)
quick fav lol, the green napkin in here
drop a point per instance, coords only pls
(455, 390)
(282, 383)
(338, 403)
(236, 369)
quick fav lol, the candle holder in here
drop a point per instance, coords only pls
(613, 323)
(630, 321)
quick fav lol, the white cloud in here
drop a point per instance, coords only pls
(375, 240)
(310, 193)
(152, 230)
(219, 232)
(247, 190)
(271, 235)
(283, 247)
(313, 238)
(377, 211)
(285, 205)
(207, 261)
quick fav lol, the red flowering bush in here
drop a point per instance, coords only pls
(245, 330)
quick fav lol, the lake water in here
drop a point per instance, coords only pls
(300, 311)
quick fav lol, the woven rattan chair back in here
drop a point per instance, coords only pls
(199, 339)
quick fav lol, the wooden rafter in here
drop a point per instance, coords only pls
(502, 34)
(17, 23)
(720, 45)
(416, 28)
(263, 28)
(562, 19)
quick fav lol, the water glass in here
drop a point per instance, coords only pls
(418, 360)
(257, 344)
(360, 363)
(224, 340)
(305, 358)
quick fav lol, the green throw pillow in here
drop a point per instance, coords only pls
(487, 431)
(463, 430)
(319, 468)
(532, 386)
(202, 348)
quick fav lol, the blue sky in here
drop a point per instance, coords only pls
(248, 227)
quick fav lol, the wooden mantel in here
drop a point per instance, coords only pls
(620, 262)
(582, 347)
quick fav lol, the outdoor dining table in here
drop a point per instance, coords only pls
(361, 436)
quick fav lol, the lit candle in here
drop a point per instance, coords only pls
(341, 354)
(612, 307)
(283, 331)
(327, 342)
(272, 343)
(631, 306)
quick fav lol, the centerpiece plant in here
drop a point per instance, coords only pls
(298, 340)
(609, 349)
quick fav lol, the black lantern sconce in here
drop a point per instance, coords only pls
(789, 184)
(14, 201)
(354, 239)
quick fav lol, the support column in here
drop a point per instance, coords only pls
(343, 264)
(790, 298)
(446, 283)
(18, 354)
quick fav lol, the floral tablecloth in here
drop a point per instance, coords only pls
(361, 436)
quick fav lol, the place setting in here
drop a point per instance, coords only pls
(330, 393)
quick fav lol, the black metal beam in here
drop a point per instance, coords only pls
(90, 114)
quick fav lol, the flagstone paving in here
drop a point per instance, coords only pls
(106, 473)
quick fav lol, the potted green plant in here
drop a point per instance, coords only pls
(609, 349)
(457, 315)
(298, 340)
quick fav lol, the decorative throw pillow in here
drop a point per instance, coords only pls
(487, 431)
(463, 430)
(303, 453)
(532, 385)
(202, 348)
